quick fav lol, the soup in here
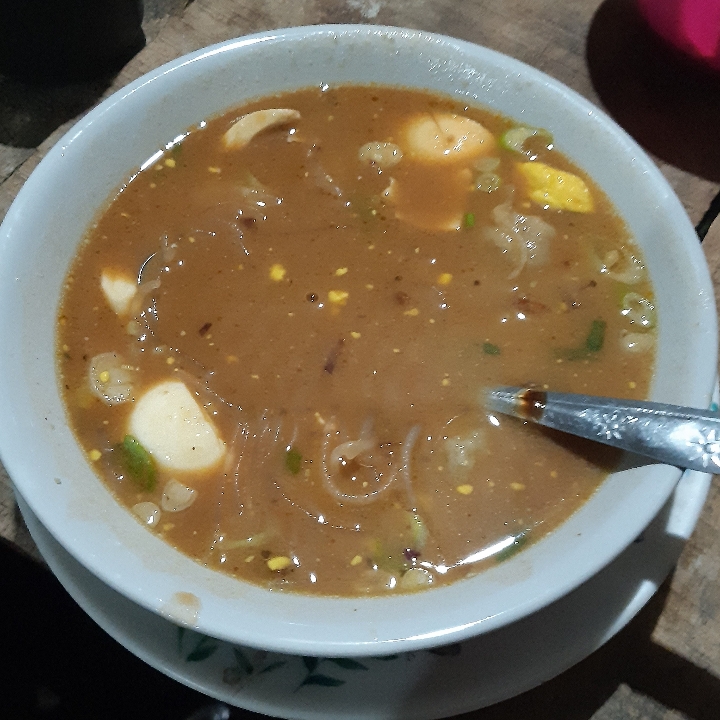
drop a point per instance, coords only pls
(274, 341)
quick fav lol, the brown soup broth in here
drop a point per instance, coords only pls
(337, 328)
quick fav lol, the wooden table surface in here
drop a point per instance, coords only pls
(666, 663)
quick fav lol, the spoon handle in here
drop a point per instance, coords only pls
(672, 434)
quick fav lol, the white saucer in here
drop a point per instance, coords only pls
(418, 685)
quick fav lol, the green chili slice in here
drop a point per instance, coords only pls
(138, 462)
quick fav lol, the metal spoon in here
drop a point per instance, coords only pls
(672, 434)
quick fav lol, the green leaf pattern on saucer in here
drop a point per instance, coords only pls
(249, 664)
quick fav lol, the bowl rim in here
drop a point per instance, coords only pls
(305, 642)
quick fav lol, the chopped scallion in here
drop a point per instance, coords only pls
(469, 220)
(592, 345)
(514, 139)
(490, 349)
(519, 543)
(293, 461)
(596, 336)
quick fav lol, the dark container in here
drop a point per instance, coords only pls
(47, 41)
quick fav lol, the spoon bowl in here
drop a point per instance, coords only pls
(671, 434)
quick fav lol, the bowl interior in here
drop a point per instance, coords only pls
(53, 210)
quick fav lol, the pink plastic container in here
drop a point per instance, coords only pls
(692, 26)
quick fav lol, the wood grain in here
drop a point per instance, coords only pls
(602, 51)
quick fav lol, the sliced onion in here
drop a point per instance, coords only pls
(350, 450)
(139, 303)
(148, 512)
(331, 464)
(407, 448)
(245, 128)
(250, 542)
(515, 138)
(259, 196)
(525, 238)
(382, 154)
(639, 310)
(415, 579)
(461, 451)
(487, 164)
(177, 497)
(111, 379)
(317, 174)
(623, 267)
(487, 182)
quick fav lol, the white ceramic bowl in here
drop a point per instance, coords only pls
(42, 230)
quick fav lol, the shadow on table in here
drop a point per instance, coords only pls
(57, 58)
(631, 658)
(668, 103)
(29, 113)
(61, 666)
(64, 667)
